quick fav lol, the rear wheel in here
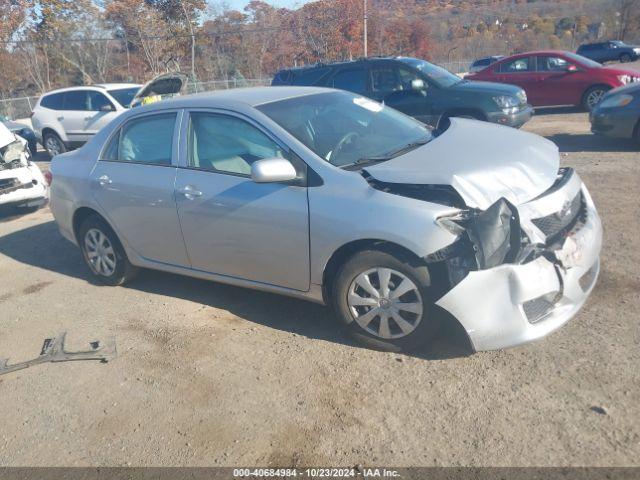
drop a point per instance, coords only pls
(625, 58)
(384, 300)
(103, 252)
(53, 144)
(593, 96)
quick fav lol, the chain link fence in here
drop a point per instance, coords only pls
(17, 108)
(21, 108)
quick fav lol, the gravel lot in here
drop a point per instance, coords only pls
(214, 375)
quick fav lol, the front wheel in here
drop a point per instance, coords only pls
(625, 58)
(593, 96)
(384, 300)
(103, 252)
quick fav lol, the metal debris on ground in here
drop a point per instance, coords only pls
(53, 351)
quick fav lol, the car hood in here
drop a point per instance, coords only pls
(620, 71)
(477, 86)
(6, 136)
(481, 161)
(14, 126)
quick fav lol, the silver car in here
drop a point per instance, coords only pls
(331, 197)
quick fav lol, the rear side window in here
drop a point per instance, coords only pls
(515, 66)
(76, 100)
(353, 80)
(54, 101)
(145, 140)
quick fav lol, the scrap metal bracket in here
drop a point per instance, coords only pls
(53, 351)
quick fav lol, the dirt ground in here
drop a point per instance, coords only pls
(214, 375)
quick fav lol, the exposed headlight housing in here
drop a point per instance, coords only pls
(507, 103)
(619, 100)
(626, 79)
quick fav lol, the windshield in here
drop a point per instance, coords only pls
(584, 61)
(438, 75)
(347, 129)
(124, 96)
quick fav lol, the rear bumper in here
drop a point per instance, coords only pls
(514, 304)
(513, 119)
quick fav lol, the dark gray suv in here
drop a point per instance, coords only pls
(418, 88)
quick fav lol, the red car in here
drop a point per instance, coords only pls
(557, 77)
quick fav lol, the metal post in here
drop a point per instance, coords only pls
(365, 28)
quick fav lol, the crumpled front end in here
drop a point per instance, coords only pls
(21, 181)
(517, 274)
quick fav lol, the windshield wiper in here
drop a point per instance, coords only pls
(388, 156)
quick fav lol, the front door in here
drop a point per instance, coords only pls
(403, 89)
(231, 225)
(520, 72)
(133, 183)
(101, 112)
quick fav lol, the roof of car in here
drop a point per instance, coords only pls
(538, 52)
(113, 86)
(252, 96)
(343, 62)
(99, 87)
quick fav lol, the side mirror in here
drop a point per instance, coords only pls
(107, 108)
(417, 84)
(273, 170)
(571, 69)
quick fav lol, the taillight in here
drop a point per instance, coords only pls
(48, 177)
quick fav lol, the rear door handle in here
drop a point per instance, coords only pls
(190, 192)
(104, 180)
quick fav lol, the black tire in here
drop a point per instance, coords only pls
(588, 97)
(49, 140)
(625, 58)
(425, 325)
(123, 270)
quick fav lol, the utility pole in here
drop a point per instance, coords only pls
(365, 28)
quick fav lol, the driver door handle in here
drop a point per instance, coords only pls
(104, 180)
(190, 192)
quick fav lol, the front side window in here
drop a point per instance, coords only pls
(384, 79)
(441, 77)
(226, 144)
(551, 64)
(515, 66)
(96, 102)
(347, 129)
(353, 80)
(145, 140)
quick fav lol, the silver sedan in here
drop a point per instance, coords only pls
(329, 196)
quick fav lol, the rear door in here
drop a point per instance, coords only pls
(74, 115)
(233, 226)
(520, 72)
(133, 182)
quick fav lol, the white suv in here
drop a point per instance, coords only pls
(69, 117)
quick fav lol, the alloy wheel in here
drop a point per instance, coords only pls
(100, 253)
(385, 303)
(594, 97)
(52, 144)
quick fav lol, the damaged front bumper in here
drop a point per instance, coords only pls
(527, 298)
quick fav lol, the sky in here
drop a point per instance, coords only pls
(240, 4)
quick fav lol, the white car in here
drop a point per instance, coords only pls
(22, 184)
(69, 117)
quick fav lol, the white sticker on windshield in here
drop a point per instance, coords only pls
(368, 104)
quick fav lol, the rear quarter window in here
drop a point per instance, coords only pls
(310, 77)
(54, 101)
